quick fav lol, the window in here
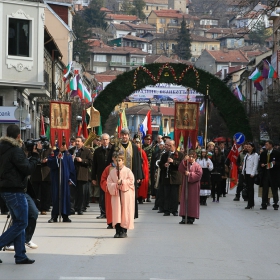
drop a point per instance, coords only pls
(147, 8)
(160, 30)
(162, 20)
(1, 100)
(165, 122)
(118, 59)
(100, 58)
(99, 69)
(172, 123)
(19, 37)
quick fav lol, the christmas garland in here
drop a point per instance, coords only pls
(230, 108)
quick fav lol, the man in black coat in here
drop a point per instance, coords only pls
(172, 178)
(269, 174)
(14, 169)
(101, 159)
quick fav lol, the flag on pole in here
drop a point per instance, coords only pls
(265, 70)
(99, 131)
(146, 126)
(258, 86)
(181, 142)
(119, 127)
(73, 83)
(87, 95)
(256, 76)
(84, 125)
(68, 70)
(238, 93)
(48, 133)
(81, 89)
(42, 131)
(272, 73)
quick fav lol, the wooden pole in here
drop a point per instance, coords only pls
(206, 116)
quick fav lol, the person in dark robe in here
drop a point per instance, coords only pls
(68, 177)
(190, 194)
(132, 160)
(143, 189)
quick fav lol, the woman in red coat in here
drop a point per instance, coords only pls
(143, 189)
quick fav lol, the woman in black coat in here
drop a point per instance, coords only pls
(217, 173)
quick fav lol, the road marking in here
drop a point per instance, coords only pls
(81, 278)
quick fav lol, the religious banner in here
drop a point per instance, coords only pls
(94, 117)
(60, 122)
(186, 121)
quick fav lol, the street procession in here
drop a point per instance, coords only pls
(139, 139)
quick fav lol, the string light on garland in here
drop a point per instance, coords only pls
(168, 68)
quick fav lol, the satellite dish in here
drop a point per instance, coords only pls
(20, 114)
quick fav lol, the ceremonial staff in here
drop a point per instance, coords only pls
(186, 184)
(206, 115)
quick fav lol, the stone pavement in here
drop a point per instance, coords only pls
(227, 242)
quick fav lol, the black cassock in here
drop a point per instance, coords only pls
(68, 174)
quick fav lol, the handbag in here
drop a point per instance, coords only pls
(245, 193)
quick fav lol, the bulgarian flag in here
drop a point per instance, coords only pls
(87, 95)
(73, 83)
(80, 89)
(240, 96)
(256, 76)
(68, 70)
(272, 73)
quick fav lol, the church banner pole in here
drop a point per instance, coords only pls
(206, 116)
(186, 185)
(59, 189)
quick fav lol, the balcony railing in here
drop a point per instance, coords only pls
(126, 64)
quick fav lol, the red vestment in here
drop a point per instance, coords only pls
(143, 189)
(103, 185)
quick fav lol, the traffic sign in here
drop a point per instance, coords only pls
(239, 138)
(20, 114)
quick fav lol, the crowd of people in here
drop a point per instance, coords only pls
(120, 173)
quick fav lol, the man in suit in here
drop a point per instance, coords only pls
(82, 162)
(101, 159)
(169, 164)
(270, 167)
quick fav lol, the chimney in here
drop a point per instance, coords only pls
(115, 46)
(225, 50)
(229, 64)
(101, 45)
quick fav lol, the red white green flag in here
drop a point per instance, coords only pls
(81, 89)
(272, 73)
(256, 76)
(68, 69)
(87, 95)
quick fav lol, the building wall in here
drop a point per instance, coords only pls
(19, 68)
(61, 35)
(207, 63)
(198, 47)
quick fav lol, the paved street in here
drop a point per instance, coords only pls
(228, 242)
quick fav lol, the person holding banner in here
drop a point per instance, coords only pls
(190, 194)
(61, 186)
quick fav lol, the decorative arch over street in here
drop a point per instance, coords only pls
(230, 108)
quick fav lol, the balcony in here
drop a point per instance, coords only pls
(126, 64)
